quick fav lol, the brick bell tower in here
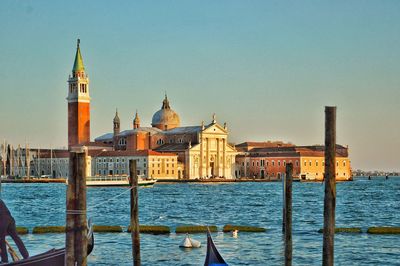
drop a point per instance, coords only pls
(78, 103)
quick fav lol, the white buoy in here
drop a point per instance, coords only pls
(187, 242)
(235, 233)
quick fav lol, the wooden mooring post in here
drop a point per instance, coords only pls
(283, 204)
(133, 181)
(288, 214)
(330, 186)
(76, 227)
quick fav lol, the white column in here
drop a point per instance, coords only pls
(208, 156)
(218, 161)
(201, 158)
(224, 157)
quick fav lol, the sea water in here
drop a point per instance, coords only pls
(361, 203)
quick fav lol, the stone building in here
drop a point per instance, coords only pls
(308, 162)
(202, 150)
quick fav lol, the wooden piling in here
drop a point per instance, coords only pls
(330, 186)
(133, 181)
(76, 228)
(288, 214)
(283, 204)
(70, 205)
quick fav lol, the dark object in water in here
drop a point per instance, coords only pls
(53, 257)
(213, 258)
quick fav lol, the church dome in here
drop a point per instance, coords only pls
(165, 118)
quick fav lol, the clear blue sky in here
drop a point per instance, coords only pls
(267, 68)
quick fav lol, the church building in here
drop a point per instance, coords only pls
(203, 151)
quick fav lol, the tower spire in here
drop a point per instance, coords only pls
(136, 120)
(78, 63)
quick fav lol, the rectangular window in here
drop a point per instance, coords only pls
(167, 172)
(316, 163)
(279, 163)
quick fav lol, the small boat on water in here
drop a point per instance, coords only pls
(188, 242)
(52, 257)
(109, 181)
(213, 258)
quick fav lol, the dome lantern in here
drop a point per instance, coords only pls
(165, 118)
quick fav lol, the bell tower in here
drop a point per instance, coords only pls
(116, 123)
(78, 103)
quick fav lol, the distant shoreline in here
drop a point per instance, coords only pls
(169, 181)
(200, 181)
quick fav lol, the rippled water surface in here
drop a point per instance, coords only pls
(361, 203)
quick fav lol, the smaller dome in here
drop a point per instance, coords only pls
(165, 118)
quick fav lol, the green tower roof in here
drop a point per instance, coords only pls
(78, 64)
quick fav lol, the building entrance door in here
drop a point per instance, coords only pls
(212, 168)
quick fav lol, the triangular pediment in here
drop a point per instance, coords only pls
(215, 129)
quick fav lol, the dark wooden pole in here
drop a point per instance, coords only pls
(133, 180)
(80, 217)
(288, 214)
(283, 204)
(70, 223)
(76, 228)
(330, 186)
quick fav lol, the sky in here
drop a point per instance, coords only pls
(267, 68)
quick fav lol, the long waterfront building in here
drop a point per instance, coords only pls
(268, 160)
